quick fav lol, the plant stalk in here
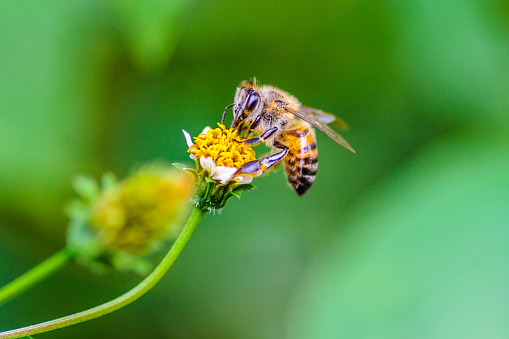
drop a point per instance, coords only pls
(35, 275)
(125, 299)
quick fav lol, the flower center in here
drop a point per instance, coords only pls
(224, 146)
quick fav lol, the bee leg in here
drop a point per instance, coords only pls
(273, 159)
(263, 137)
(224, 113)
(255, 124)
(251, 167)
(267, 162)
(240, 129)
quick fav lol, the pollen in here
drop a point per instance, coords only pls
(224, 146)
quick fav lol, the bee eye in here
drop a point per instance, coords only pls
(252, 101)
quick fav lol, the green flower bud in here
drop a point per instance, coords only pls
(122, 222)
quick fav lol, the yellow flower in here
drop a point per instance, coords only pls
(222, 153)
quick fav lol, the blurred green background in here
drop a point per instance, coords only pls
(407, 238)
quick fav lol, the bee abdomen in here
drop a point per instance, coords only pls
(301, 162)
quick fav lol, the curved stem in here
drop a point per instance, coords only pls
(124, 299)
(36, 274)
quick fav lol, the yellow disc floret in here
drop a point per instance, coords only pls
(224, 146)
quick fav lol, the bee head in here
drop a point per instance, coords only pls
(247, 103)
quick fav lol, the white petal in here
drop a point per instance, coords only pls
(192, 156)
(223, 174)
(205, 130)
(208, 164)
(243, 178)
(189, 141)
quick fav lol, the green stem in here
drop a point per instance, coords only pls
(36, 274)
(124, 299)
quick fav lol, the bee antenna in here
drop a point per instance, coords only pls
(224, 113)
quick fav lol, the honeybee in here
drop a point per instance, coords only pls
(284, 124)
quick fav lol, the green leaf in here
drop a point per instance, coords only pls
(47, 128)
(227, 196)
(124, 261)
(86, 187)
(455, 57)
(151, 29)
(180, 167)
(108, 180)
(427, 255)
(244, 188)
(210, 181)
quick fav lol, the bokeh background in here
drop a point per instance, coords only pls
(407, 238)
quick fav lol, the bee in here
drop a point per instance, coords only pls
(284, 124)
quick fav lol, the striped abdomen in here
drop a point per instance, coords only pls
(301, 161)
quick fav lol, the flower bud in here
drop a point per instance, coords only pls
(123, 222)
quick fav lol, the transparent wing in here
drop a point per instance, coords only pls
(322, 126)
(326, 118)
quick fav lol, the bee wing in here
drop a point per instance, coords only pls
(326, 117)
(322, 126)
